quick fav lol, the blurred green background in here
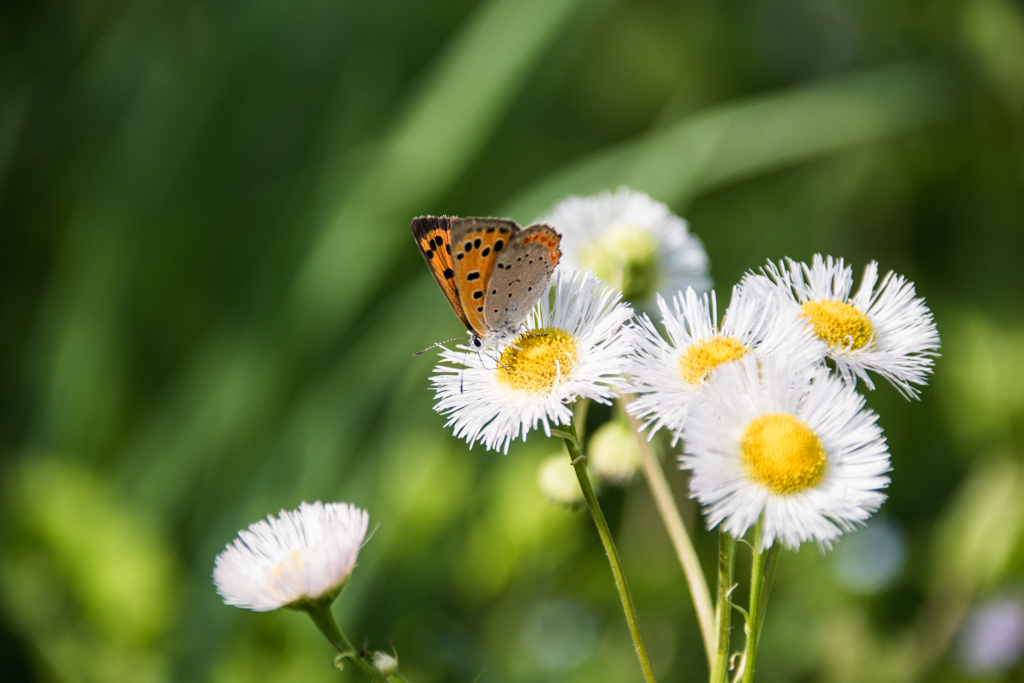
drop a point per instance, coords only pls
(209, 298)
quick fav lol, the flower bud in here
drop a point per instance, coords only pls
(613, 452)
(557, 480)
(627, 258)
(385, 663)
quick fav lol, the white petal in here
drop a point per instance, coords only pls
(480, 408)
(857, 456)
(302, 554)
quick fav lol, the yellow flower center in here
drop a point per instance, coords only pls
(292, 565)
(840, 324)
(704, 356)
(782, 453)
(537, 360)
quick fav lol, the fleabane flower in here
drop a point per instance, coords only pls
(300, 556)
(884, 327)
(573, 346)
(792, 444)
(668, 375)
(633, 242)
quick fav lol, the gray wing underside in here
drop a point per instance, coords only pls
(519, 278)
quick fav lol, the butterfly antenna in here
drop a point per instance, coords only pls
(437, 344)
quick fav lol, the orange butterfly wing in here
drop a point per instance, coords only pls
(476, 243)
(433, 237)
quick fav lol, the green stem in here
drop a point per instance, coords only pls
(769, 578)
(579, 419)
(673, 521)
(320, 612)
(580, 465)
(723, 610)
(759, 591)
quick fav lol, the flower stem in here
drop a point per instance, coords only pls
(769, 578)
(320, 612)
(723, 609)
(673, 522)
(580, 465)
(759, 591)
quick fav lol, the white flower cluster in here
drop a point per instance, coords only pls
(764, 399)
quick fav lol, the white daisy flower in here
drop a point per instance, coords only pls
(302, 555)
(634, 243)
(884, 327)
(670, 375)
(793, 444)
(574, 346)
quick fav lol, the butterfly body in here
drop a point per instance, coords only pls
(491, 271)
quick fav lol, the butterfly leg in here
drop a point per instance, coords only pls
(495, 358)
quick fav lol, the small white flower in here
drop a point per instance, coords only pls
(793, 444)
(631, 241)
(303, 554)
(670, 375)
(885, 328)
(574, 346)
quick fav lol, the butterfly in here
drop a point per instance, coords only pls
(491, 271)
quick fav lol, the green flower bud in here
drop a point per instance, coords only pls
(557, 480)
(614, 454)
(385, 663)
(626, 257)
